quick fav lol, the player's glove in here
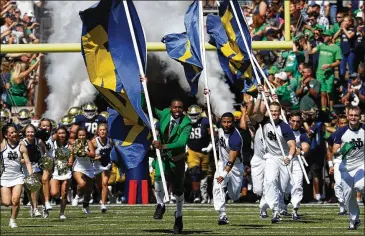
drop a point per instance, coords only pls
(208, 148)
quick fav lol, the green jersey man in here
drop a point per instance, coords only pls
(330, 57)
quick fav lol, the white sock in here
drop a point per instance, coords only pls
(179, 205)
(159, 192)
(222, 214)
(12, 220)
(342, 207)
(318, 197)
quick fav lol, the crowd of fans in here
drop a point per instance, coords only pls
(322, 74)
(19, 71)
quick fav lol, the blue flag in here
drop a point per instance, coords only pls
(130, 140)
(110, 58)
(186, 47)
(111, 63)
(232, 53)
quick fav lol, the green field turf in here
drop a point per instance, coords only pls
(198, 220)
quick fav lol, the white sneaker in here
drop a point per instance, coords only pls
(86, 210)
(75, 201)
(103, 208)
(12, 224)
(45, 213)
(36, 213)
(31, 212)
(62, 217)
(48, 206)
(53, 201)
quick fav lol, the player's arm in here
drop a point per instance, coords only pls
(290, 140)
(42, 146)
(71, 158)
(91, 152)
(24, 152)
(235, 144)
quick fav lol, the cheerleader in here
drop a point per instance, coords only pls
(102, 164)
(83, 151)
(44, 133)
(12, 178)
(35, 148)
(62, 175)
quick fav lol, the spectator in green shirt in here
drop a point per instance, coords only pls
(308, 91)
(330, 56)
(285, 93)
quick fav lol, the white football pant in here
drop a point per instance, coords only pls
(352, 182)
(233, 182)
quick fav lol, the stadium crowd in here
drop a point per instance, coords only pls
(316, 81)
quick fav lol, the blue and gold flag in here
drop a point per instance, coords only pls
(186, 47)
(131, 141)
(110, 59)
(232, 53)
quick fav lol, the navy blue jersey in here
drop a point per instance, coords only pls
(331, 139)
(91, 125)
(199, 136)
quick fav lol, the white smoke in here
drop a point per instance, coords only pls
(164, 17)
(67, 76)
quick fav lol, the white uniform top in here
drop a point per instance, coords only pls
(12, 172)
(98, 168)
(55, 174)
(285, 134)
(227, 142)
(259, 145)
(300, 137)
(84, 165)
(355, 157)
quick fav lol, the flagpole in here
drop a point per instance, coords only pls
(202, 49)
(270, 87)
(144, 84)
(259, 81)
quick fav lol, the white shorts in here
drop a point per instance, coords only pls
(12, 183)
(98, 168)
(86, 169)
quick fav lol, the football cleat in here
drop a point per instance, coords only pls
(354, 226)
(86, 211)
(178, 225)
(160, 210)
(342, 213)
(223, 220)
(275, 218)
(294, 216)
(263, 214)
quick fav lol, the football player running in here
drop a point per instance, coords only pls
(89, 119)
(198, 149)
(230, 166)
(349, 149)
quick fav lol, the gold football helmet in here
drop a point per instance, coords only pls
(5, 116)
(24, 117)
(67, 120)
(54, 125)
(105, 114)
(74, 111)
(89, 110)
(194, 113)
